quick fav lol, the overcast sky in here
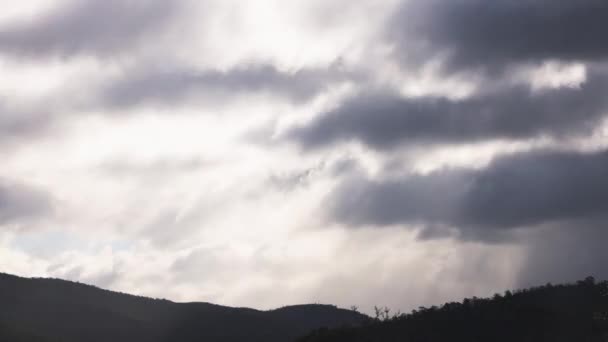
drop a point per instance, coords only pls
(268, 152)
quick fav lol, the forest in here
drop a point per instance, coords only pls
(569, 312)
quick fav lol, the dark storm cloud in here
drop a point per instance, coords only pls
(170, 86)
(516, 191)
(387, 120)
(20, 203)
(491, 35)
(87, 27)
(474, 34)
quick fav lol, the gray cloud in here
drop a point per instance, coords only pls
(90, 27)
(15, 128)
(24, 123)
(387, 120)
(152, 169)
(172, 86)
(295, 179)
(517, 191)
(492, 35)
(200, 263)
(20, 203)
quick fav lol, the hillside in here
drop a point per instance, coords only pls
(573, 312)
(52, 310)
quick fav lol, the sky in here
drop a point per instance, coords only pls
(263, 153)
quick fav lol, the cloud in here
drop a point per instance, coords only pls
(172, 193)
(17, 127)
(170, 86)
(154, 168)
(99, 28)
(516, 191)
(26, 120)
(387, 120)
(493, 35)
(21, 204)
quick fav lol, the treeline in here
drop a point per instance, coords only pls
(571, 312)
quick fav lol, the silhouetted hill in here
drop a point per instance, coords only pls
(568, 313)
(52, 310)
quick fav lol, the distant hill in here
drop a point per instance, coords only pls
(563, 313)
(52, 310)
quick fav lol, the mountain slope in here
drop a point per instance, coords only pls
(65, 311)
(562, 313)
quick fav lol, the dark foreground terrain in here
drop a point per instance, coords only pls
(49, 310)
(569, 313)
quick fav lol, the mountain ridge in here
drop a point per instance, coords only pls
(70, 311)
(55, 310)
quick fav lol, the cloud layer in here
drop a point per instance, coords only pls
(383, 120)
(475, 34)
(172, 86)
(424, 150)
(517, 191)
(98, 28)
(20, 204)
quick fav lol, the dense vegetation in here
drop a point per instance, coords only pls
(51, 310)
(574, 312)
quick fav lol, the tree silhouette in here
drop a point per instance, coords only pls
(557, 313)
